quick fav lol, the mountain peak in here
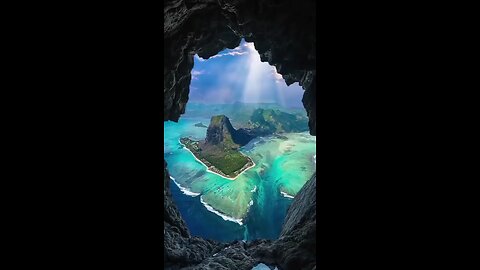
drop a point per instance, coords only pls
(221, 131)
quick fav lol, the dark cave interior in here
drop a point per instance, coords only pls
(284, 35)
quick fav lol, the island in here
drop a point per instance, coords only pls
(219, 152)
(236, 165)
(200, 124)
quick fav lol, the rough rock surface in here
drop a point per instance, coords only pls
(303, 208)
(283, 32)
(220, 130)
(295, 249)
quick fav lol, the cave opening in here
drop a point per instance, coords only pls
(284, 37)
(252, 95)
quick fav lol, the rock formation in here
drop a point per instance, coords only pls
(221, 130)
(283, 32)
(295, 249)
(262, 122)
(200, 124)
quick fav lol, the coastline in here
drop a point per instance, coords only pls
(184, 190)
(210, 208)
(210, 171)
(218, 213)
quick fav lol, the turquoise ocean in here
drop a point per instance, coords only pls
(208, 203)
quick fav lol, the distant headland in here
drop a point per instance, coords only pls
(200, 124)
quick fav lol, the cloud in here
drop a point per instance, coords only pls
(244, 79)
(199, 59)
(273, 71)
(229, 52)
(197, 73)
(240, 50)
(250, 45)
(233, 53)
(278, 77)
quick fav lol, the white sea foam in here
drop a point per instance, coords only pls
(250, 204)
(315, 159)
(225, 217)
(185, 190)
(254, 189)
(286, 195)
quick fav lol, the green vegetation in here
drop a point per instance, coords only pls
(276, 121)
(228, 162)
(219, 151)
(216, 120)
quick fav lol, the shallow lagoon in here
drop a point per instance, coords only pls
(252, 206)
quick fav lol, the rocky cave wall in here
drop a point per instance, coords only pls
(283, 32)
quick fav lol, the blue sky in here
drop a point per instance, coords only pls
(239, 75)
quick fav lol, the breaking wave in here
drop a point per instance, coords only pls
(286, 195)
(225, 217)
(185, 190)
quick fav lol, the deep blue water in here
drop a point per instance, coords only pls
(267, 213)
(201, 222)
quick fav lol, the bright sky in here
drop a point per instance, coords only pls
(239, 75)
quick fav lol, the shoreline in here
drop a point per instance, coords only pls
(218, 213)
(210, 171)
(184, 190)
(210, 208)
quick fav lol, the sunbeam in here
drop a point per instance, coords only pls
(253, 85)
(238, 75)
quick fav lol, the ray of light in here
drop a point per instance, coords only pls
(252, 88)
(239, 75)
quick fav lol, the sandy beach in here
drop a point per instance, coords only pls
(210, 171)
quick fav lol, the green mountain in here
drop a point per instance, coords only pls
(268, 121)
(238, 113)
(219, 150)
(221, 132)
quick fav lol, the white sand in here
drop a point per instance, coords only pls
(210, 171)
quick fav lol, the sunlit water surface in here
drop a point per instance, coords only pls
(253, 205)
